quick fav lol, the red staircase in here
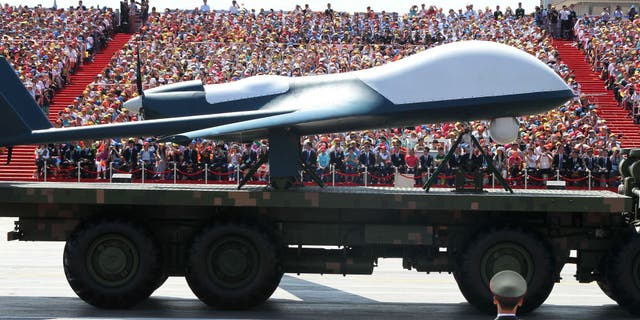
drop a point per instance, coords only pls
(617, 118)
(22, 165)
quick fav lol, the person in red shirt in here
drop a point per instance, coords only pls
(514, 163)
(412, 165)
(412, 161)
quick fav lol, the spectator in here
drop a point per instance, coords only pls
(411, 161)
(45, 46)
(545, 162)
(148, 157)
(565, 22)
(605, 165)
(352, 160)
(42, 160)
(520, 11)
(617, 14)
(324, 160)
(426, 164)
(498, 14)
(560, 161)
(328, 11)
(514, 163)
(367, 159)
(102, 155)
(205, 7)
(398, 156)
(552, 22)
(217, 161)
(531, 162)
(130, 156)
(234, 7)
(309, 158)
(605, 16)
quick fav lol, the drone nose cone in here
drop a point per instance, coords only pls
(134, 104)
(566, 93)
(469, 70)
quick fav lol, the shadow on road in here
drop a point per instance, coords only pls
(166, 308)
(313, 292)
(318, 302)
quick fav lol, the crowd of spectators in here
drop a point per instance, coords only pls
(228, 45)
(45, 46)
(611, 44)
(557, 23)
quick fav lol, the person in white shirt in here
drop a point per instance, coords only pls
(531, 160)
(617, 14)
(565, 22)
(42, 157)
(205, 7)
(545, 161)
(605, 16)
(234, 7)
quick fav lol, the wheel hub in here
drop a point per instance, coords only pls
(112, 260)
(507, 256)
(233, 262)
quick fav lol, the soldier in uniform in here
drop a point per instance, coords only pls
(508, 289)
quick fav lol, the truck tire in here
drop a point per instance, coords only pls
(161, 280)
(606, 288)
(233, 266)
(603, 282)
(623, 274)
(112, 263)
(505, 249)
(634, 169)
(623, 168)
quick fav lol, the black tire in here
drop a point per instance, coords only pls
(603, 283)
(505, 249)
(233, 266)
(606, 288)
(623, 274)
(623, 167)
(161, 280)
(112, 263)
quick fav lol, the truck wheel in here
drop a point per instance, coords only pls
(603, 282)
(606, 288)
(161, 280)
(233, 266)
(111, 263)
(505, 249)
(623, 275)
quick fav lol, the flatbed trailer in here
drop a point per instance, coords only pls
(233, 246)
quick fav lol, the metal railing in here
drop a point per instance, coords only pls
(351, 176)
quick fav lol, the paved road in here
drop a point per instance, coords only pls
(33, 286)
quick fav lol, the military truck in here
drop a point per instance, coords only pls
(233, 246)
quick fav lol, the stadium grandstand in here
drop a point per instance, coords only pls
(81, 75)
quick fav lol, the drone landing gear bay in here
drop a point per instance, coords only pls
(284, 161)
(462, 172)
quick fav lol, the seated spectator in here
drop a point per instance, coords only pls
(45, 46)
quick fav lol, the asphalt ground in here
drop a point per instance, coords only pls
(33, 286)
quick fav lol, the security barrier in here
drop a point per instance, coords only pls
(359, 176)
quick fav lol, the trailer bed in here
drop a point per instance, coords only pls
(536, 200)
